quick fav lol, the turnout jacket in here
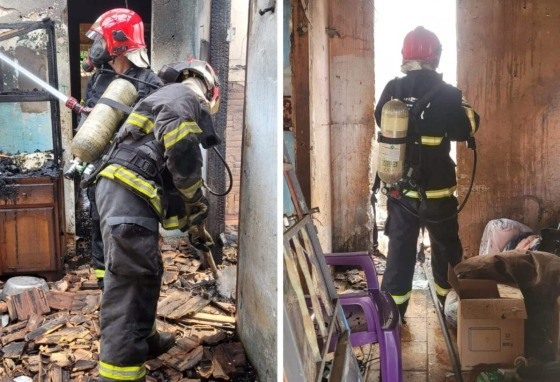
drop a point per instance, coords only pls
(447, 117)
(157, 153)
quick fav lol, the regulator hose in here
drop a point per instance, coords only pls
(472, 145)
(102, 70)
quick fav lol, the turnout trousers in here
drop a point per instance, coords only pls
(403, 229)
(132, 281)
(97, 258)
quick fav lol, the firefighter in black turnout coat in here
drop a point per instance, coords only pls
(152, 176)
(126, 55)
(430, 196)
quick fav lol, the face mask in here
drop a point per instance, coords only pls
(97, 55)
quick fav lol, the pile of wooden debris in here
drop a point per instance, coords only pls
(54, 335)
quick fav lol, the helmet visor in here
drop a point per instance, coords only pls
(92, 33)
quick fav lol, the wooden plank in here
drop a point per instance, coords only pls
(222, 363)
(236, 353)
(312, 289)
(206, 367)
(299, 309)
(213, 318)
(181, 360)
(47, 328)
(60, 300)
(58, 374)
(180, 304)
(14, 350)
(83, 364)
(29, 303)
(188, 343)
(67, 334)
(16, 336)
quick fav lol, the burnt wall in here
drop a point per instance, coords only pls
(509, 71)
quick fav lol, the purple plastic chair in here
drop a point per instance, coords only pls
(382, 320)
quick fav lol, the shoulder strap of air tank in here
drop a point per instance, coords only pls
(115, 104)
(425, 100)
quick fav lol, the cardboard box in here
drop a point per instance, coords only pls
(490, 329)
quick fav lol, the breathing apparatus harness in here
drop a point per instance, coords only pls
(134, 158)
(411, 179)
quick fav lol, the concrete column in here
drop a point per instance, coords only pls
(320, 121)
(179, 29)
(257, 318)
(508, 71)
(351, 78)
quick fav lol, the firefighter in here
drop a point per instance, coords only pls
(427, 197)
(118, 44)
(152, 175)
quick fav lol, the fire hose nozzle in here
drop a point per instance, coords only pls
(74, 105)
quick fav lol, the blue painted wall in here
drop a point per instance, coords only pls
(24, 132)
(288, 205)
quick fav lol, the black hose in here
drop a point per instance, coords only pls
(412, 212)
(229, 175)
(103, 70)
(447, 338)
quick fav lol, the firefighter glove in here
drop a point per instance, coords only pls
(197, 211)
(200, 238)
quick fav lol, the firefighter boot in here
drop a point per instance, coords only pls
(160, 343)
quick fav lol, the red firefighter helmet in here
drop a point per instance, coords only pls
(122, 29)
(422, 45)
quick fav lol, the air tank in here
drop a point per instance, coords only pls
(102, 122)
(394, 124)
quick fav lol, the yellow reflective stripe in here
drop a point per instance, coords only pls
(190, 191)
(135, 182)
(470, 114)
(154, 330)
(180, 132)
(431, 141)
(121, 373)
(401, 299)
(174, 222)
(442, 291)
(143, 122)
(100, 273)
(432, 194)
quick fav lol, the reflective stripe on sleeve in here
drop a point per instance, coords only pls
(399, 300)
(141, 121)
(442, 291)
(432, 194)
(431, 141)
(470, 114)
(121, 373)
(174, 222)
(100, 273)
(180, 132)
(190, 191)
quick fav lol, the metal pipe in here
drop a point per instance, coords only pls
(441, 319)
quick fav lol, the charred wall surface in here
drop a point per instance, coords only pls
(509, 71)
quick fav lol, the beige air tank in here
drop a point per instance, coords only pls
(394, 124)
(102, 122)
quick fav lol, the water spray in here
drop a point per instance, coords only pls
(70, 102)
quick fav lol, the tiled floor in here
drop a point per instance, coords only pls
(425, 356)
